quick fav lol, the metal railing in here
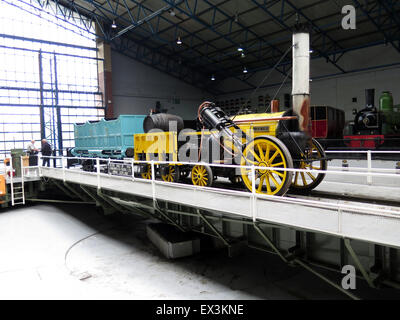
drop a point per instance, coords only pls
(253, 194)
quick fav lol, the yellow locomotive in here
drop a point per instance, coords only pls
(267, 146)
(267, 140)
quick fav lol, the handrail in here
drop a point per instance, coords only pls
(234, 166)
(308, 202)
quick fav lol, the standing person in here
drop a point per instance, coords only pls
(46, 151)
(32, 152)
(30, 148)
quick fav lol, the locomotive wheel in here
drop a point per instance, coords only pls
(267, 151)
(306, 181)
(147, 173)
(172, 174)
(202, 176)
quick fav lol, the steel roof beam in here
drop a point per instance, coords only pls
(144, 20)
(229, 74)
(247, 31)
(392, 11)
(339, 52)
(144, 55)
(172, 56)
(170, 66)
(299, 11)
(367, 13)
(194, 17)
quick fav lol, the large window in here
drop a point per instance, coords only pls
(48, 75)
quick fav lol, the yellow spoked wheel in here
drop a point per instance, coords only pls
(147, 172)
(202, 176)
(171, 174)
(266, 152)
(306, 181)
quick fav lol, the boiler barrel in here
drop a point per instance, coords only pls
(163, 121)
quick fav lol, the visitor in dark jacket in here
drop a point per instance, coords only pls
(46, 151)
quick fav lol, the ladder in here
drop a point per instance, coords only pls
(17, 193)
(17, 187)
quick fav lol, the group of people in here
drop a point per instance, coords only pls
(33, 151)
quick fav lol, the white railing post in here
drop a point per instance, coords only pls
(12, 181)
(253, 191)
(22, 170)
(22, 181)
(63, 167)
(133, 167)
(98, 172)
(153, 177)
(39, 165)
(369, 159)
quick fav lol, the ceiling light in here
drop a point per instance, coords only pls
(179, 41)
(240, 49)
(212, 78)
(243, 55)
(311, 50)
(114, 26)
(245, 70)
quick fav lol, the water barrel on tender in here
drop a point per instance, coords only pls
(162, 121)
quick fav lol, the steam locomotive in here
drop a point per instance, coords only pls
(375, 127)
(371, 128)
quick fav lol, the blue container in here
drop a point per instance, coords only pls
(107, 138)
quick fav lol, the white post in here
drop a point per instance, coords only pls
(98, 172)
(133, 171)
(63, 167)
(39, 166)
(22, 170)
(253, 191)
(301, 78)
(253, 179)
(153, 177)
(369, 159)
(12, 181)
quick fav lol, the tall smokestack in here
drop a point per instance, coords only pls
(370, 98)
(301, 78)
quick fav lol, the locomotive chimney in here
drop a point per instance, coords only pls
(370, 98)
(301, 78)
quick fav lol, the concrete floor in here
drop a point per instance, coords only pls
(72, 252)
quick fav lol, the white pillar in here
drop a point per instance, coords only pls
(301, 79)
